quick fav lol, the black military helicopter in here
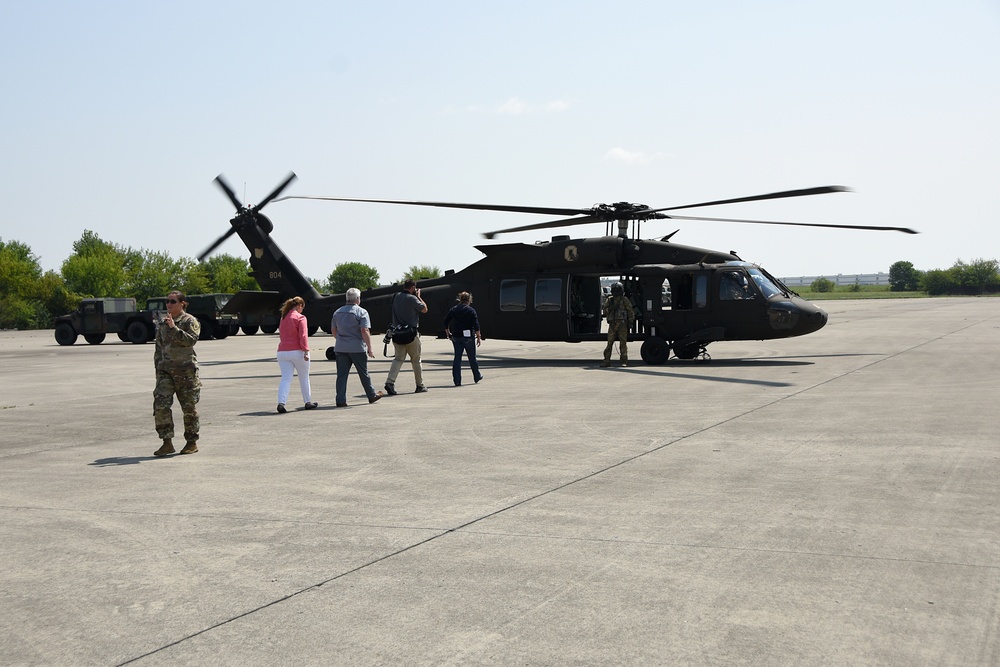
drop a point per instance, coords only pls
(685, 297)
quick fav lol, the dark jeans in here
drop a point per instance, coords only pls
(469, 346)
(344, 362)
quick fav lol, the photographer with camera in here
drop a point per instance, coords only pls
(407, 306)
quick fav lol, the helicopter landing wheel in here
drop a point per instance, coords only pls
(655, 351)
(692, 351)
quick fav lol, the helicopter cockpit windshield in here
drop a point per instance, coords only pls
(764, 283)
(767, 286)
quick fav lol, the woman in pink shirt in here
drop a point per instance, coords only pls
(293, 352)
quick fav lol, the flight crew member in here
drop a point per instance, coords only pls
(407, 307)
(620, 315)
(176, 364)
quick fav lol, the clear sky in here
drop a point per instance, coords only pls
(116, 116)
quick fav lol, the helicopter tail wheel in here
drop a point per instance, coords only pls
(692, 351)
(655, 351)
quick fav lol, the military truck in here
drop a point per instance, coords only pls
(208, 308)
(96, 318)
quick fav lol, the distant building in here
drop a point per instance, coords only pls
(846, 279)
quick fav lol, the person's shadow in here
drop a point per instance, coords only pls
(125, 460)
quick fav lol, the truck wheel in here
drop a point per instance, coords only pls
(220, 331)
(137, 332)
(206, 328)
(313, 328)
(123, 336)
(65, 334)
(326, 327)
(94, 339)
(269, 328)
(250, 329)
(234, 329)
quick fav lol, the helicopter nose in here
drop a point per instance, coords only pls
(812, 318)
(796, 317)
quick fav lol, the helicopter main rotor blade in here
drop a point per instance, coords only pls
(219, 241)
(567, 222)
(221, 182)
(277, 191)
(440, 204)
(822, 190)
(905, 230)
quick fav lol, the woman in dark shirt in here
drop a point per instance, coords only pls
(462, 325)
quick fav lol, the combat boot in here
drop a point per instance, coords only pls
(166, 448)
(190, 448)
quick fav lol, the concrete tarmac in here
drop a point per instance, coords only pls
(826, 500)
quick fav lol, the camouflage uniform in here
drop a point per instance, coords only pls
(620, 315)
(176, 365)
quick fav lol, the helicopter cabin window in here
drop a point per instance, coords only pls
(513, 295)
(734, 286)
(548, 294)
(701, 290)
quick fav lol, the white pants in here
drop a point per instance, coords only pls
(292, 361)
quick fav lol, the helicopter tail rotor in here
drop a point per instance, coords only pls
(245, 215)
(277, 191)
(221, 182)
(219, 241)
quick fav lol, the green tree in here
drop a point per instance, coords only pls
(822, 284)
(903, 277)
(351, 274)
(150, 273)
(28, 298)
(937, 282)
(96, 268)
(229, 274)
(54, 297)
(420, 272)
(191, 277)
(19, 273)
(978, 276)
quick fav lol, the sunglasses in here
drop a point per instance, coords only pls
(172, 301)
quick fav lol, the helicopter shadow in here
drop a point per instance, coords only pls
(633, 370)
(671, 369)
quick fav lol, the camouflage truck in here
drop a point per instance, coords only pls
(208, 309)
(94, 319)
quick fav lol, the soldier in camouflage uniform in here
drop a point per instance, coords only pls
(620, 315)
(176, 365)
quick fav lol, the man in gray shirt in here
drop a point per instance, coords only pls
(407, 306)
(351, 327)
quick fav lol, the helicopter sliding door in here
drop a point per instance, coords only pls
(585, 302)
(682, 305)
(533, 308)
